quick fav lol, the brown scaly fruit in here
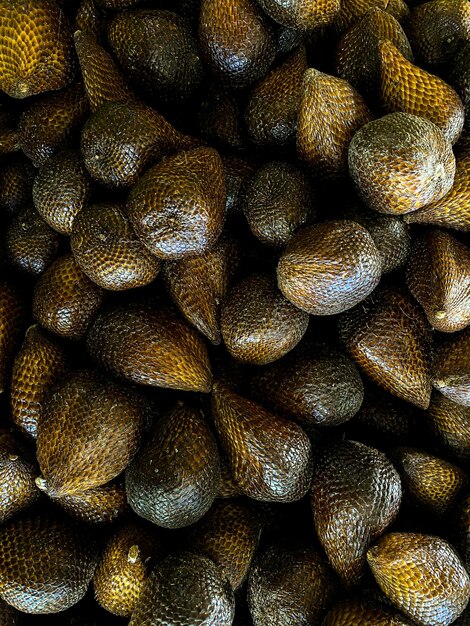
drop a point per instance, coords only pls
(438, 275)
(89, 431)
(62, 188)
(220, 118)
(150, 346)
(198, 286)
(178, 206)
(422, 576)
(270, 458)
(356, 495)
(228, 488)
(451, 370)
(100, 505)
(328, 268)
(36, 50)
(12, 314)
(272, 108)
(65, 300)
(458, 75)
(46, 564)
(290, 585)
(184, 589)
(331, 111)
(363, 613)
(238, 169)
(89, 17)
(462, 515)
(258, 324)
(301, 14)
(353, 10)
(406, 87)
(236, 40)
(16, 181)
(450, 423)
(9, 141)
(389, 337)
(400, 163)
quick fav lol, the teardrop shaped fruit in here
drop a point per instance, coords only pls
(229, 535)
(362, 613)
(158, 52)
(389, 337)
(89, 431)
(328, 268)
(62, 188)
(46, 564)
(400, 163)
(36, 51)
(175, 477)
(100, 505)
(258, 324)
(438, 276)
(278, 200)
(150, 346)
(121, 139)
(290, 585)
(178, 206)
(184, 589)
(450, 423)
(16, 182)
(12, 314)
(331, 111)
(199, 284)
(273, 105)
(220, 118)
(406, 87)
(356, 495)
(270, 457)
(321, 386)
(422, 576)
(124, 567)
(451, 370)
(236, 40)
(65, 300)
(106, 248)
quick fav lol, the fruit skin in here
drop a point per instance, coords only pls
(175, 477)
(450, 423)
(451, 367)
(16, 180)
(422, 576)
(462, 528)
(350, 12)
(100, 505)
(9, 616)
(12, 314)
(301, 14)
(362, 613)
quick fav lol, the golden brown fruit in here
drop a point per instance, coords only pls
(406, 87)
(198, 286)
(438, 275)
(328, 268)
(16, 182)
(450, 423)
(175, 477)
(258, 324)
(331, 111)
(362, 613)
(422, 576)
(270, 458)
(12, 314)
(356, 495)
(389, 337)
(61, 189)
(273, 105)
(100, 505)
(185, 589)
(400, 163)
(301, 14)
(46, 564)
(178, 206)
(290, 585)
(106, 248)
(352, 10)
(451, 368)
(220, 118)
(236, 41)
(150, 346)
(35, 47)
(65, 300)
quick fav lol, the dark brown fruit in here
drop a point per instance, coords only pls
(270, 458)
(450, 423)
(100, 505)
(16, 181)
(199, 285)
(61, 189)
(422, 576)
(458, 74)
(356, 494)
(451, 371)
(35, 47)
(150, 346)
(9, 141)
(12, 313)
(88, 433)
(175, 477)
(400, 163)
(329, 267)
(238, 170)
(301, 14)
(89, 17)
(220, 118)
(236, 40)
(46, 564)
(438, 276)
(228, 488)
(65, 300)
(389, 338)
(9, 616)
(278, 200)
(185, 589)
(362, 613)
(178, 206)
(351, 11)
(463, 530)
(158, 52)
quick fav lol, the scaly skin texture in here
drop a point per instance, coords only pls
(89, 17)
(9, 141)
(422, 576)
(451, 369)
(301, 14)
(16, 181)
(356, 495)
(100, 505)
(458, 74)
(12, 314)
(362, 613)
(451, 425)
(220, 118)
(350, 12)
(462, 514)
